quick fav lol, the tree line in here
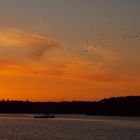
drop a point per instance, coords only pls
(122, 106)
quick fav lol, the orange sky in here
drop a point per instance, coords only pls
(52, 51)
(39, 68)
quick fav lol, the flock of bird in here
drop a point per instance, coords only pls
(127, 33)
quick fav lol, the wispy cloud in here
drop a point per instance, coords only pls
(28, 48)
(5, 63)
(36, 45)
(104, 53)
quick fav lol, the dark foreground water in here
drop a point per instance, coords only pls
(69, 127)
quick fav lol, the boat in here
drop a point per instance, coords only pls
(45, 116)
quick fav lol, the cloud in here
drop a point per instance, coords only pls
(22, 47)
(76, 68)
(35, 45)
(9, 67)
(79, 69)
(103, 53)
(5, 63)
(20, 51)
(106, 77)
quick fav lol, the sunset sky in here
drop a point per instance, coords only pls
(53, 50)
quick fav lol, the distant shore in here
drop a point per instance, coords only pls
(115, 106)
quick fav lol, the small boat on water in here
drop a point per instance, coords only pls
(45, 116)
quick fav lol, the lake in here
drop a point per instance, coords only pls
(68, 127)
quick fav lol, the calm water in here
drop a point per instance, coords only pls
(69, 127)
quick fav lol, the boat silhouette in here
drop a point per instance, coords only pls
(45, 116)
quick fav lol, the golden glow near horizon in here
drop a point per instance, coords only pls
(78, 59)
